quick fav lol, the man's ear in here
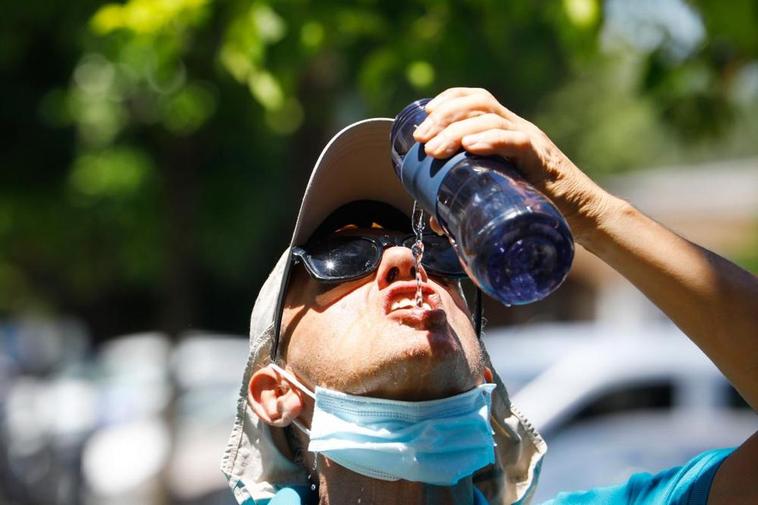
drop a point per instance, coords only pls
(273, 399)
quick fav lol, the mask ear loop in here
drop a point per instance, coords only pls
(290, 377)
(301, 387)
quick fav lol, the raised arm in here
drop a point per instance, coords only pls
(712, 300)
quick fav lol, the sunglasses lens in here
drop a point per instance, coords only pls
(439, 256)
(341, 258)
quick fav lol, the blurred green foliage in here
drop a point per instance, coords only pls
(155, 150)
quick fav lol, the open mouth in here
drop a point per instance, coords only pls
(403, 298)
(408, 303)
(400, 306)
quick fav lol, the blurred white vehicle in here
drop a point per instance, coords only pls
(207, 369)
(614, 401)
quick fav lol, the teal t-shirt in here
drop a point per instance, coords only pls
(683, 485)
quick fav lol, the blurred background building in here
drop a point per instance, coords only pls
(153, 157)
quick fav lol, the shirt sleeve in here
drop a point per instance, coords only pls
(683, 485)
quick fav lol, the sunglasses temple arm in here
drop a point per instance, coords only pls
(478, 313)
(280, 308)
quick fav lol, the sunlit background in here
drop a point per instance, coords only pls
(153, 156)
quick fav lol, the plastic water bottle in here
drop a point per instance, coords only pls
(511, 240)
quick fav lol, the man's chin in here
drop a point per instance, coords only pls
(417, 373)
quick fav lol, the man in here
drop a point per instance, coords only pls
(355, 394)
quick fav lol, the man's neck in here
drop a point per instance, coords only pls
(338, 486)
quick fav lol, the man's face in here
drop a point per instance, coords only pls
(367, 337)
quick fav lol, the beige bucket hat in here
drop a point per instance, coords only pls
(356, 165)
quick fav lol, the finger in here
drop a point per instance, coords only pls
(448, 94)
(448, 141)
(505, 143)
(435, 226)
(454, 109)
(457, 109)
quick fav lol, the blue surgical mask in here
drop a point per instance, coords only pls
(436, 442)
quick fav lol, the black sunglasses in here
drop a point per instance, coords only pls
(348, 257)
(343, 258)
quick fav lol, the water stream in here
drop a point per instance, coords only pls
(417, 221)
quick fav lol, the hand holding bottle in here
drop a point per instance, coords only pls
(473, 119)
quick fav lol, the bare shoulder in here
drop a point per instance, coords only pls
(736, 481)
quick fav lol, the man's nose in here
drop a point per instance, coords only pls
(398, 264)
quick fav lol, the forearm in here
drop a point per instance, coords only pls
(712, 300)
